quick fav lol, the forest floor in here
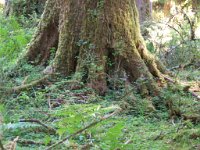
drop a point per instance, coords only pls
(68, 110)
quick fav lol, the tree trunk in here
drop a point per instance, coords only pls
(21, 7)
(95, 40)
(145, 9)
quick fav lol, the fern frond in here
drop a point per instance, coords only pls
(18, 125)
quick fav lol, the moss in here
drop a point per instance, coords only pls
(104, 27)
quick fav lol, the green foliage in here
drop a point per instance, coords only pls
(74, 117)
(171, 39)
(138, 129)
(112, 137)
(150, 47)
(13, 39)
(17, 126)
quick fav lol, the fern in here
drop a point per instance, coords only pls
(74, 117)
(18, 125)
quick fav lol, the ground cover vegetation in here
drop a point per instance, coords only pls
(98, 101)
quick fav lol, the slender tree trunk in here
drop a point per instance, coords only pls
(95, 39)
(145, 9)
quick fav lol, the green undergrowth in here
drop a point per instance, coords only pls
(188, 74)
(14, 38)
(68, 106)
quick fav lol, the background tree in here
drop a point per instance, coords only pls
(23, 7)
(145, 9)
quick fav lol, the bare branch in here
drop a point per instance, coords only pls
(87, 127)
(40, 123)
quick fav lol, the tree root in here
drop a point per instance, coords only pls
(18, 89)
(87, 127)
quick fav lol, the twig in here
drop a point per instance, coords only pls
(87, 127)
(40, 123)
(30, 142)
(161, 135)
(25, 79)
(128, 142)
(175, 67)
(176, 31)
(49, 102)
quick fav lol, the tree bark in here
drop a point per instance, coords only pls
(46, 36)
(95, 40)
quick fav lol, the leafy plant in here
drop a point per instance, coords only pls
(13, 39)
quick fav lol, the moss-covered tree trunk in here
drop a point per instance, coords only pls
(95, 39)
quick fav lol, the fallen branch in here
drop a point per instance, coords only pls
(175, 67)
(25, 86)
(40, 123)
(87, 127)
(181, 66)
(128, 142)
(30, 142)
(169, 79)
(185, 87)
